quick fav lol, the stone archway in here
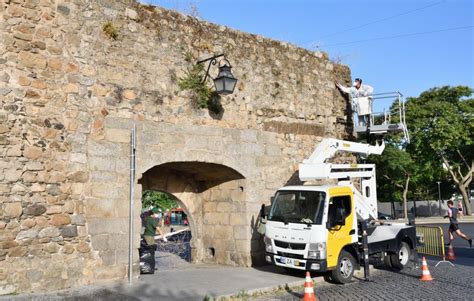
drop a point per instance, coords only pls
(213, 196)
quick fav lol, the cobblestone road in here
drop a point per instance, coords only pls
(450, 283)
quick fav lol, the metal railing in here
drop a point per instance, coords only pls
(387, 115)
(432, 242)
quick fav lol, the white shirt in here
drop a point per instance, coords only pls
(361, 98)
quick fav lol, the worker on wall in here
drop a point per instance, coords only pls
(361, 100)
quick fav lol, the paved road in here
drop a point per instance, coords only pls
(450, 283)
(466, 228)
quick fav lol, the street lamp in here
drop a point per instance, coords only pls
(225, 81)
(439, 197)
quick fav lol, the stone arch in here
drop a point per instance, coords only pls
(213, 197)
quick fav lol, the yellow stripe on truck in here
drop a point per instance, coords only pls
(339, 237)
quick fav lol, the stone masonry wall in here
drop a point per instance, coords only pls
(69, 95)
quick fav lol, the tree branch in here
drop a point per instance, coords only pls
(450, 169)
(462, 157)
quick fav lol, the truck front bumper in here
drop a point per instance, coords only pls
(318, 265)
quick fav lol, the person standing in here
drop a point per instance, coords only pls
(454, 225)
(151, 227)
(361, 100)
(460, 213)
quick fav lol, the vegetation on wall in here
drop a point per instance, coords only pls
(201, 94)
(110, 30)
(192, 81)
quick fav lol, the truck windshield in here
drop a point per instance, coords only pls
(305, 207)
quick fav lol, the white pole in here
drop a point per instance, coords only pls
(132, 191)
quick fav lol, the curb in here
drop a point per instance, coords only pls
(268, 289)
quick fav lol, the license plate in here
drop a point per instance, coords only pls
(286, 260)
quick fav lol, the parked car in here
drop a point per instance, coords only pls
(383, 216)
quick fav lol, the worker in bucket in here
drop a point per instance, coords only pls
(361, 100)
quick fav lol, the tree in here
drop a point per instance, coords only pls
(395, 170)
(441, 125)
(151, 198)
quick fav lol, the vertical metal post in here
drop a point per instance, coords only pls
(133, 139)
(439, 197)
(365, 248)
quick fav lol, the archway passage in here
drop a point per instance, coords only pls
(213, 198)
(200, 175)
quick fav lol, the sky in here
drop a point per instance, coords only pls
(393, 45)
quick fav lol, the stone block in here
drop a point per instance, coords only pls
(32, 60)
(49, 232)
(241, 232)
(54, 209)
(238, 219)
(12, 209)
(103, 176)
(67, 249)
(103, 149)
(78, 176)
(32, 152)
(106, 225)
(224, 207)
(17, 251)
(52, 247)
(71, 88)
(35, 210)
(117, 135)
(8, 244)
(78, 219)
(69, 231)
(60, 219)
(31, 233)
(28, 223)
(222, 232)
(83, 247)
(12, 175)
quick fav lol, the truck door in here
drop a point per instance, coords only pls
(339, 224)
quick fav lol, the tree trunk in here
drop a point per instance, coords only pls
(405, 201)
(466, 202)
(462, 182)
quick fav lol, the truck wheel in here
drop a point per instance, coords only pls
(400, 259)
(387, 261)
(344, 269)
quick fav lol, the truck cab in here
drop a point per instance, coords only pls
(309, 226)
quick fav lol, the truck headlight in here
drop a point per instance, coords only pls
(268, 244)
(317, 251)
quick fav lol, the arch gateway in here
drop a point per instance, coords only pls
(70, 94)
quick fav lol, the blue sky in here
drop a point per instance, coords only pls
(410, 64)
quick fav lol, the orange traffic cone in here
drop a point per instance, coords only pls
(451, 255)
(425, 273)
(308, 289)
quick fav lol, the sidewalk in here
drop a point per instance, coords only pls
(195, 282)
(438, 220)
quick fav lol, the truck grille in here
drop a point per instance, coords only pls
(289, 255)
(289, 245)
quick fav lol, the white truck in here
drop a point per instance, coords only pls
(320, 228)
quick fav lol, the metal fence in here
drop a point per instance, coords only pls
(432, 242)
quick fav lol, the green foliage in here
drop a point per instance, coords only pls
(441, 124)
(193, 81)
(110, 30)
(393, 168)
(151, 198)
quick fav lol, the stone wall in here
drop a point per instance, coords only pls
(69, 95)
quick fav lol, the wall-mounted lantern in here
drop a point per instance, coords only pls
(225, 81)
